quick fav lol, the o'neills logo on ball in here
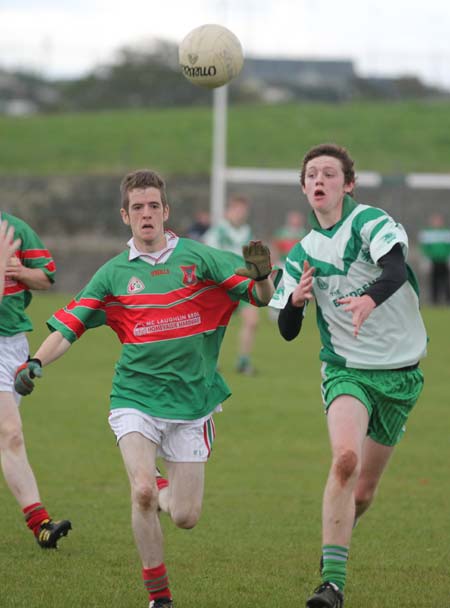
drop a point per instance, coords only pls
(196, 71)
(192, 58)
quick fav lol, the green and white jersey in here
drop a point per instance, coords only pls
(435, 243)
(345, 258)
(16, 295)
(227, 237)
(170, 312)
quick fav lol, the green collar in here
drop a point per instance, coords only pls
(347, 207)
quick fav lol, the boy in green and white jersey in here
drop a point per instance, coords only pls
(169, 301)
(29, 266)
(231, 234)
(352, 263)
(435, 245)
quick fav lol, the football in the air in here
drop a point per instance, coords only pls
(210, 56)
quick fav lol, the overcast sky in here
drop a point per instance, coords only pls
(395, 37)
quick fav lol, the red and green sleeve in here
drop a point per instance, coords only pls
(85, 311)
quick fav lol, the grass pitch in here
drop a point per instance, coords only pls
(258, 541)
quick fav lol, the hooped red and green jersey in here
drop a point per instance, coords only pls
(16, 295)
(171, 318)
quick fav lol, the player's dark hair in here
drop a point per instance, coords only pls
(336, 152)
(143, 178)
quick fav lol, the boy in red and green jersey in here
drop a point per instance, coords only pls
(31, 267)
(171, 318)
(20, 278)
(169, 301)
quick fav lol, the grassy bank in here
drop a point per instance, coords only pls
(387, 137)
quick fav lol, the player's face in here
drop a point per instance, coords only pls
(325, 188)
(237, 213)
(146, 216)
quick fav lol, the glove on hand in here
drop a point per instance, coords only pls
(257, 261)
(23, 382)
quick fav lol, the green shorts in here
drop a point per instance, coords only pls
(388, 395)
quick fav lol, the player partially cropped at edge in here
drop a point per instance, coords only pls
(26, 265)
(169, 300)
(8, 246)
(353, 263)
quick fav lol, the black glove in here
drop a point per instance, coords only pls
(23, 382)
(257, 261)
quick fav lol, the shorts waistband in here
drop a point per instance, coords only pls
(407, 368)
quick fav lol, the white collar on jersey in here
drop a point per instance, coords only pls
(156, 257)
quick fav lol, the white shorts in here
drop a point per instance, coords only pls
(187, 441)
(14, 351)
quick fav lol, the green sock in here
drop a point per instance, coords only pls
(243, 361)
(334, 565)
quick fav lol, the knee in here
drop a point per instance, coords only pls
(346, 467)
(364, 495)
(144, 495)
(252, 322)
(11, 437)
(250, 318)
(185, 518)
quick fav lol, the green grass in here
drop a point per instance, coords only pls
(258, 541)
(178, 141)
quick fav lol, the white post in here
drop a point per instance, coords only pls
(219, 153)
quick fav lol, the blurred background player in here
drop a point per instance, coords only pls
(435, 245)
(283, 240)
(169, 300)
(373, 338)
(199, 226)
(7, 248)
(231, 234)
(287, 236)
(31, 267)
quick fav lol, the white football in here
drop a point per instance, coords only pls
(210, 56)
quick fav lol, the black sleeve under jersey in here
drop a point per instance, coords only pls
(290, 320)
(392, 278)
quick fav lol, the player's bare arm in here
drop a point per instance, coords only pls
(34, 278)
(53, 347)
(303, 292)
(360, 308)
(265, 290)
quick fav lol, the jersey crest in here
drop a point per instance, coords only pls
(135, 285)
(322, 284)
(189, 274)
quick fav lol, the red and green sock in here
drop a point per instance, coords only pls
(156, 582)
(162, 483)
(35, 515)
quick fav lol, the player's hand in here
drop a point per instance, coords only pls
(360, 307)
(7, 243)
(257, 261)
(14, 268)
(25, 374)
(303, 292)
